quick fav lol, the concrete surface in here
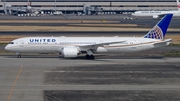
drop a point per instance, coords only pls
(51, 78)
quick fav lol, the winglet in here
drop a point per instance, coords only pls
(160, 29)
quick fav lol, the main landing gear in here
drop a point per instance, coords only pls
(18, 55)
(89, 55)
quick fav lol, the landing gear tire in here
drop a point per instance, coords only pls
(87, 57)
(19, 56)
(90, 57)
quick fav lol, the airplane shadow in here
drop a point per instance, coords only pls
(99, 57)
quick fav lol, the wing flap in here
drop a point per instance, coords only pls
(95, 46)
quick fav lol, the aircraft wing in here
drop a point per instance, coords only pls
(95, 46)
(159, 16)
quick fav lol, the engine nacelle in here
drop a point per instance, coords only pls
(155, 16)
(70, 51)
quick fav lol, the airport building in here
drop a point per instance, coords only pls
(89, 6)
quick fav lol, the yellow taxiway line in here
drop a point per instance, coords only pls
(14, 83)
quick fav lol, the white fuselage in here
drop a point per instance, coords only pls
(55, 44)
(156, 13)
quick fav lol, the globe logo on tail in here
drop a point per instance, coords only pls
(155, 33)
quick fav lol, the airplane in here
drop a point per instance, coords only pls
(71, 47)
(158, 14)
(28, 9)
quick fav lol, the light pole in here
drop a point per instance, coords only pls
(55, 5)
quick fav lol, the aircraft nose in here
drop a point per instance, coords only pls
(7, 48)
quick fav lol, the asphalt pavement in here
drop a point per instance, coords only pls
(57, 79)
(142, 23)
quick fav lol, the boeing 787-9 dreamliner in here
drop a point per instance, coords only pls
(159, 13)
(71, 47)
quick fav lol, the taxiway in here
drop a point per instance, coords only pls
(56, 79)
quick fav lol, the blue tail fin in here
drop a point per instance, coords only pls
(159, 30)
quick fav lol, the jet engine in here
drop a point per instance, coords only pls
(155, 16)
(70, 52)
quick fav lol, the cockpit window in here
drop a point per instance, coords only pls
(11, 43)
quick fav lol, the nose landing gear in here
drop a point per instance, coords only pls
(18, 55)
